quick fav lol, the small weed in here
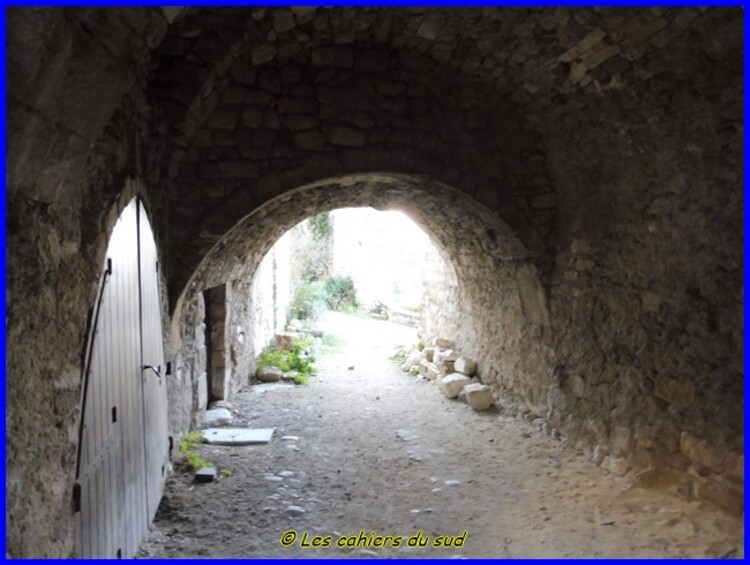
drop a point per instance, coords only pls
(189, 448)
(414, 372)
(227, 472)
(299, 358)
(300, 380)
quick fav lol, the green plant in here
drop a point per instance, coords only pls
(299, 358)
(189, 448)
(309, 301)
(272, 357)
(300, 379)
(399, 356)
(320, 225)
(341, 294)
(227, 472)
(315, 256)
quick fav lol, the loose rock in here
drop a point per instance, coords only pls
(466, 366)
(479, 396)
(205, 475)
(289, 376)
(269, 374)
(217, 417)
(453, 383)
(616, 465)
(295, 510)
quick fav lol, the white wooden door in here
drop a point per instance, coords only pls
(123, 440)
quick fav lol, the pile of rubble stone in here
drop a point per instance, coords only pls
(455, 375)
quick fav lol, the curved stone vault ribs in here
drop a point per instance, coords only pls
(594, 160)
(459, 226)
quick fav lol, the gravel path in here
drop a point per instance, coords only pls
(367, 448)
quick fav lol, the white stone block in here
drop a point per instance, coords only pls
(445, 355)
(269, 374)
(466, 366)
(411, 360)
(453, 383)
(432, 372)
(478, 396)
(217, 417)
(444, 368)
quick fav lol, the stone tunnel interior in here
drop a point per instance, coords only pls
(579, 169)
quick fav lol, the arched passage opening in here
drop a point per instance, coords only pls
(357, 262)
(497, 311)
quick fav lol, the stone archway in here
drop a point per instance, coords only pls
(499, 305)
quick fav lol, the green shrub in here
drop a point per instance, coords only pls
(341, 294)
(309, 301)
(271, 357)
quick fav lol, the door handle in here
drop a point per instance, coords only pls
(154, 369)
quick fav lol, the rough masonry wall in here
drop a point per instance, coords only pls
(271, 294)
(187, 392)
(257, 307)
(441, 310)
(653, 286)
(645, 302)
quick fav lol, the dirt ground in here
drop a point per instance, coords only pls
(365, 450)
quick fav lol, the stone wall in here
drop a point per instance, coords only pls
(255, 306)
(441, 309)
(260, 307)
(653, 291)
(272, 292)
(187, 392)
